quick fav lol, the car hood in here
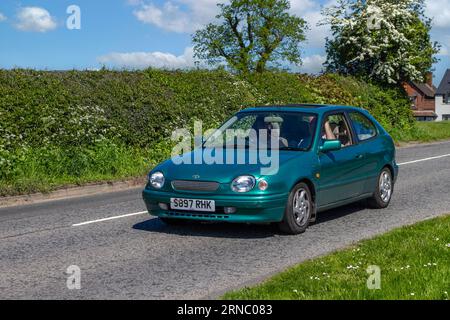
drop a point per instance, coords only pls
(226, 172)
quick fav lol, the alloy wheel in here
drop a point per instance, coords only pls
(301, 207)
(385, 186)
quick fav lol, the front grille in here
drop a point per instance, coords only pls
(187, 185)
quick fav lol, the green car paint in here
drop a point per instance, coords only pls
(337, 176)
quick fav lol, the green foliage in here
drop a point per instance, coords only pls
(136, 108)
(45, 168)
(281, 88)
(384, 41)
(60, 128)
(389, 105)
(424, 131)
(250, 35)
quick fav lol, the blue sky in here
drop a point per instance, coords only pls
(140, 33)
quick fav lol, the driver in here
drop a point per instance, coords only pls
(327, 131)
(272, 125)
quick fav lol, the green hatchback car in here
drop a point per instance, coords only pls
(277, 164)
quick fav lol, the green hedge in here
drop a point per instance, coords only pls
(87, 125)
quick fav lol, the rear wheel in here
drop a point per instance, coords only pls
(383, 192)
(298, 210)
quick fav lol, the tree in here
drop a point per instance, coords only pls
(387, 41)
(250, 35)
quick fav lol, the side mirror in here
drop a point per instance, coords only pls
(330, 145)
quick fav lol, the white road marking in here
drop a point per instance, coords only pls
(142, 212)
(110, 218)
(426, 159)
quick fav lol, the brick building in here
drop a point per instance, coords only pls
(422, 97)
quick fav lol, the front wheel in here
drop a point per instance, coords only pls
(298, 210)
(383, 192)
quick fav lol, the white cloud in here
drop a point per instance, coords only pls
(444, 39)
(186, 16)
(189, 15)
(299, 7)
(2, 17)
(312, 64)
(311, 12)
(444, 51)
(169, 17)
(176, 15)
(35, 19)
(142, 60)
(439, 10)
(317, 34)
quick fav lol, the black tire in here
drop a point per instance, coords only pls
(296, 222)
(173, 221)
(380, 199)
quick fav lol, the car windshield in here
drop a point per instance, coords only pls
(281, 130)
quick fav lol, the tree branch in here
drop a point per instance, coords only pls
(234, 24)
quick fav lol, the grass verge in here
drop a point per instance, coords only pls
(46, 169)
(414, 263)
(424, 132)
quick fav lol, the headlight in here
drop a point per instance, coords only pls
(243, 184)
(156, 180)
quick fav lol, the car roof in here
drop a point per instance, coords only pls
(306, 107)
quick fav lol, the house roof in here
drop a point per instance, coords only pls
(426, 89)
(444, 87)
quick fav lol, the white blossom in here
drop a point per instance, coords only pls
(372, 28)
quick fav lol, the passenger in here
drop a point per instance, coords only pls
(344, 134)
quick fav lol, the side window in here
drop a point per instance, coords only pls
(364, 128)
(335, 127)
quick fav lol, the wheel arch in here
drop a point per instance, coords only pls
(391, 169)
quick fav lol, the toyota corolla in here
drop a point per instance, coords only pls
(280, 164)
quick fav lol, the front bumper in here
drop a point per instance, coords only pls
(250, 209)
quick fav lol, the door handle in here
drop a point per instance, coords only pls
(359, 156)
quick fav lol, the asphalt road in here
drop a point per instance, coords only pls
(138, 257)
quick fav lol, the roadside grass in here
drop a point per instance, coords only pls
(414, 263)
(47, 169)
(424, 132)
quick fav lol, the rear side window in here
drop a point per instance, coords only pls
(364, 128)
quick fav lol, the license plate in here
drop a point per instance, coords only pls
(192, 204)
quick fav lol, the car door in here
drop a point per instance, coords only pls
(340, 170)
(370, 146)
